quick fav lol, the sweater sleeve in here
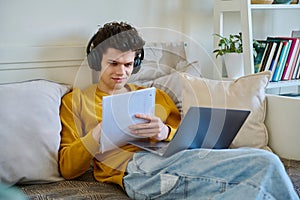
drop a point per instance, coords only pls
(77, 148)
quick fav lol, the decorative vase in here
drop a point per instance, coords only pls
(234, 65)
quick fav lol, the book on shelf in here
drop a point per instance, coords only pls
(265, 56)
(276, 57)
(281, 56)
(261, 51)
(290, 62)
(296, 74)
(273, 47)
(282, 60)
(296, 63)
(297, 69)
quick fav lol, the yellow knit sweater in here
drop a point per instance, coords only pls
(80, 112)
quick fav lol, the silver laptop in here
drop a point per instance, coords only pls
(201, 127)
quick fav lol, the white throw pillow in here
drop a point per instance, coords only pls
(170, 83)
(246, 92)
(30, 131)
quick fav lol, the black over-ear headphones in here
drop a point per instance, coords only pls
(94, 59)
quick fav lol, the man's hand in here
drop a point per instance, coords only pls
(152, 128)
(97, 132)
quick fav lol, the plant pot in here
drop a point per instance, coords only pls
(234, 65)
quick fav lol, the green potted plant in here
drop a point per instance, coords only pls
(258, 51)
(231, 48)
(231, 44)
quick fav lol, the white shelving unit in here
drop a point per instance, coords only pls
(245, 8)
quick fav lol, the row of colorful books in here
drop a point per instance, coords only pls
(281, 56)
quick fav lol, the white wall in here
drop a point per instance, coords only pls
(67, 22)
(42, 31)
(58, 30)
(266, 22)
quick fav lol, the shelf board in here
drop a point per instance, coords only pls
(274, 84)
(245, 8)
(283, 84)
(274, 6)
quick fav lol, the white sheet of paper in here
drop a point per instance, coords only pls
(118, 113)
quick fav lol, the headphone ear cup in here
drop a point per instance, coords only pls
(138, 62)
(137, 65)
(94, 60)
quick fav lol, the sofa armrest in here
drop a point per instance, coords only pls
(282, 121)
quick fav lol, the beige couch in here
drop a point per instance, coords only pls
(282, 120)
(32, 160)
(86, 187)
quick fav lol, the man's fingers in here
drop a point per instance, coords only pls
(144, 116)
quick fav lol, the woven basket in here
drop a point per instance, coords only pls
(261, 1)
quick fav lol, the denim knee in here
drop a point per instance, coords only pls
(266, 158)
(170, 186)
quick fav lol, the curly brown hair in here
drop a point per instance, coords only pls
(121, 36)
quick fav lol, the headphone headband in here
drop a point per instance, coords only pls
(88, 48)
(94, 58)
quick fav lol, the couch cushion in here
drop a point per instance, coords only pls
(246, 92)
(83, 187)
(30, 131)
(160, 59)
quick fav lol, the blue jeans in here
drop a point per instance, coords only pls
(208, 174)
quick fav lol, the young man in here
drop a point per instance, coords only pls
(116, 50)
